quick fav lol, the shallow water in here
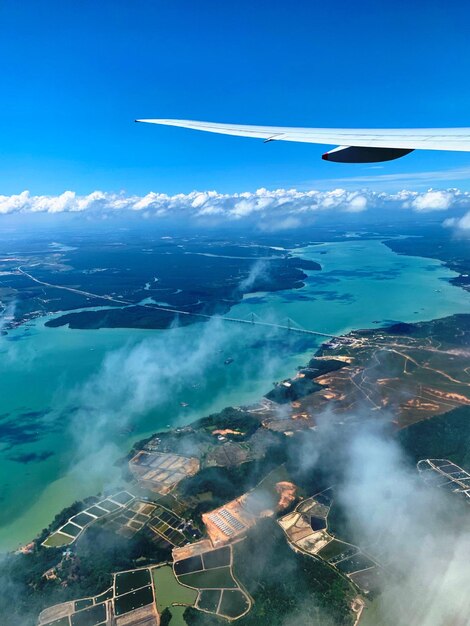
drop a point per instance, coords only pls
(362, 283)
(72, 401)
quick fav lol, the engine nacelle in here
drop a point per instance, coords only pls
(355, 154)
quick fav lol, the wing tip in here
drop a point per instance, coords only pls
(153, 121)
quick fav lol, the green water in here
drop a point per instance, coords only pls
(147, 374)
(379, 285)
(168, 591)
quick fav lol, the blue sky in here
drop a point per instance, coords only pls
(76, 74)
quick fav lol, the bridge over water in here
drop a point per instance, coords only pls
(253, 319)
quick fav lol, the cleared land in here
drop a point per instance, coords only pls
(161, 472)
(306, 529)
(414, 371)
(73, 528)
(232, 521)
(63, 621)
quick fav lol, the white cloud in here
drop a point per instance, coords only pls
(459, 224)
(420, 533)
(357, 203)
(433, 201)
(286, 205)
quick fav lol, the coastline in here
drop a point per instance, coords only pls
(278, 301)
(450, 260)
(122, 313)
(328, 364)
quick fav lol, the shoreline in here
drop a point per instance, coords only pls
(331, 363)
(264, 391)
(294, 265)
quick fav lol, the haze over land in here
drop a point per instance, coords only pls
(122, 383)
(128, 366)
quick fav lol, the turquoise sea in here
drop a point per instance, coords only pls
(73, 401)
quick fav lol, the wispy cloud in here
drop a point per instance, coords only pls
(429, 177)
(417, 533)
(421, 533)
(146, 379)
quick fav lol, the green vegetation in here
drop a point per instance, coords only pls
(298, 388)
(322, 367)
(227, 483)
(230, 418)
(283, 584)
(444, 436)
(56, 540)
(86, 573)
(437, 245)
(211, 277)
(168, 590)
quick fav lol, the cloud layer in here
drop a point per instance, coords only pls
(288, 205)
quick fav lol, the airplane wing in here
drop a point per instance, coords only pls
(354, 145)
